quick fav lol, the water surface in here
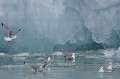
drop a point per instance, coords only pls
(86, 66)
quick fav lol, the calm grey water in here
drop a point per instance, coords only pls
(86, 66)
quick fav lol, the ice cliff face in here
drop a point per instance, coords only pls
(45, 23)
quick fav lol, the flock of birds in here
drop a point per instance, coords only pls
(41, 68)
(108, 69)
(11, 36)
(37, 68)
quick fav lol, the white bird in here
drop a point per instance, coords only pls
(101, 70)
(110, 67)
(11, 36)
(70, 57)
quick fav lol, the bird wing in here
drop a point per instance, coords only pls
(46, 64)
(8, 29)
(70, 58)
(17, 31)
(33, 67)
(10, 33)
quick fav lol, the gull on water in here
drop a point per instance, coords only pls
(101, 70)
(47, 63)
(39, 68)
(11, 36)
(70, 57)
(110, 67)
(35, 68)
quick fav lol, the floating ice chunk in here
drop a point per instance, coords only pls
(57, 53)
(109, 53)
(2, 54)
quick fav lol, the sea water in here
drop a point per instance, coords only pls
(85, 66)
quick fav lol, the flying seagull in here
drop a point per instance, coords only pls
(11, 36)
(70, 57)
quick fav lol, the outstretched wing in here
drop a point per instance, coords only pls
(8, 29)
(69, 57)
(17, 31)
(33, 67)
(46, 64)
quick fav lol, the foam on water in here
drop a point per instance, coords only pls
(57, 53)
(12, 66)
(19, 58)
(22, 54)
(37, 54)
(88, 56)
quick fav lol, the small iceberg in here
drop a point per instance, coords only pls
(109, 53)
(1, 54)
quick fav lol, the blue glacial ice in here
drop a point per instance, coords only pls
(45, 23)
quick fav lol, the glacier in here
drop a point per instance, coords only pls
(46, 23)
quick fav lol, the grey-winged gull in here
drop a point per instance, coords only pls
(11, 36)
(70, 57)
(39, 68)
(110, 67)
(47, 63)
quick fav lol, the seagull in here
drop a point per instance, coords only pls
(101, 70)
(110, 67)
(11, 36)
(35, 68)
(39, 68)
(70, 57)
(47, 63)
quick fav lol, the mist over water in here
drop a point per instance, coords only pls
(45, 23)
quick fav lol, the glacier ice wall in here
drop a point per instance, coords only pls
(47, 22)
